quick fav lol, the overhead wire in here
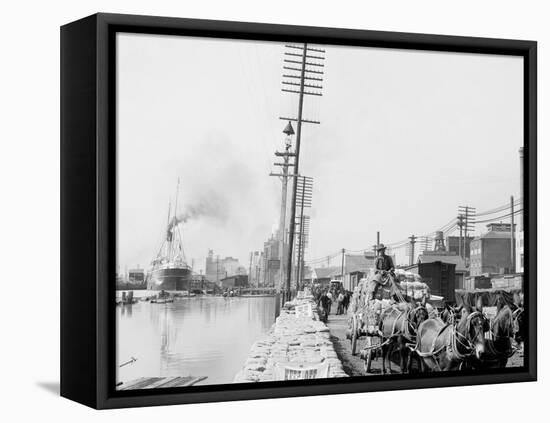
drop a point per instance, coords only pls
(447, 228)
(499, 208)
(500, 217)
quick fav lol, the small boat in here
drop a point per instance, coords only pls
(256, 295)
(128, 298)
(162, 300)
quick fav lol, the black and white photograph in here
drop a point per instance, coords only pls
(275, 211)
(290, 211)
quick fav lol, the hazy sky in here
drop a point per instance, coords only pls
(406, 137)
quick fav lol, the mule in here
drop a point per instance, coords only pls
(398, 327)
(519, 324)
(498, 343)
(446, 346)
(451, 313)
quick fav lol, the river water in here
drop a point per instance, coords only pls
(200, 336)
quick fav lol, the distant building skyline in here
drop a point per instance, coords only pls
(217, 268)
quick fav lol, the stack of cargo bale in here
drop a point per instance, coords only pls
(301, 339)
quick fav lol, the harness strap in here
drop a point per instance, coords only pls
(433, 352)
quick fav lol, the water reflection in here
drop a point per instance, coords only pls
(126, 310)
(208, 336)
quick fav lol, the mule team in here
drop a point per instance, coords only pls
(450, 339)
(453, 339)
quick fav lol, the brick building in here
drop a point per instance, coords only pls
(491, 252)
(453, 243)
(217, 268)
(270, 264)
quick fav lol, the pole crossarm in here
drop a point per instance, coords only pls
(301, 92)
(317, 50)
(305, 85)
(311, 78)
(305, 71)
(303, 120)
(308, 56)
(281, 174)
(318, 72)
(321, 65)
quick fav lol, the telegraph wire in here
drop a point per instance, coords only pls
(500, 217)
(447, 228)
(499, 208)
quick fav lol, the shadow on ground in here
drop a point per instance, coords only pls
(51, 387)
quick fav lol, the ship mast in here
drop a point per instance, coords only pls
(168, 232)
(169, 206)
(174, 226)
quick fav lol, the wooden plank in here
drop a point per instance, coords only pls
(175, 382)
(161, 382)
(141, 383)
(126, 385)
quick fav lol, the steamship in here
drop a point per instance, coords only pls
(169, 269)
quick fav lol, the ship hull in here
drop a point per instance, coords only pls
(174, 279)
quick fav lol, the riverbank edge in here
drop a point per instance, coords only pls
(296, 339)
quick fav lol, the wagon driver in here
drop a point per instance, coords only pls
(383, 262)
(382, 266)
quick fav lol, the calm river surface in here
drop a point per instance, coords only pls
(201, 336)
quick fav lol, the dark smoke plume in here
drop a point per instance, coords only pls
(210, 205)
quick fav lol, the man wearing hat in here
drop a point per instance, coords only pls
(383, 261)
(382, 265)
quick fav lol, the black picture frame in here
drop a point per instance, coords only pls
(88, 215)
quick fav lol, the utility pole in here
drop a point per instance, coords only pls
(304, 236)
(299, 240)
(521, 194)
(412, 239)
(512, 238)
(289, 132)
(299, 79)
(305, 188)
(425, 241)
(468, 221)
(343, 256)
(301, 244)
(460, 224)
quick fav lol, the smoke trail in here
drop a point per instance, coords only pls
(210, 205)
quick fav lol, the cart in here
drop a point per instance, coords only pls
(372, 344)
(409, 289)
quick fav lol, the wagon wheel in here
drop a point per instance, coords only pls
(368, 354)
(354, 335)
(368, 361)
